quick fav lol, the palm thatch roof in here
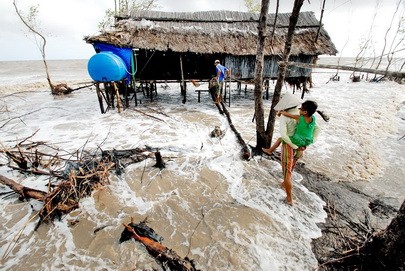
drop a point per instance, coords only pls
(209, 32)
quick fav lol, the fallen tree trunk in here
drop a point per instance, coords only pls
(245, 148)
(399, 75)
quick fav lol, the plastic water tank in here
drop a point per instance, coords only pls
(106, 67)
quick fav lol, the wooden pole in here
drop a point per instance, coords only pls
(118, 97)
(183, 84)
(107, 94)
(100, 98)
(126, 94)
(230, 81)
(133, 71)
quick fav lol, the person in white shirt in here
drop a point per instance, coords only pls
(290, 153)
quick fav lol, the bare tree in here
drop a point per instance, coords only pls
(30, 21)
(261, 39)
(396, 42)
(320, 22)
(282, 71)
(367, 42)
(386, 36)
(274, 24)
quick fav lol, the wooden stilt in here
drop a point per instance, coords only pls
(107, 94)
(100, 98)
(151, 90)
(118, 97)
(304, 88)
(126, 94)
(133, 68)
(183, 83)
(267, 86)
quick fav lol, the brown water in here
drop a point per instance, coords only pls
(208, 204)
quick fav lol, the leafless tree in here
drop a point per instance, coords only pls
(366, 43)
(320, 22)
(274, 24)
(282, 71)
(261, 39)
(30, 21)
(397, 40)
(386, 36)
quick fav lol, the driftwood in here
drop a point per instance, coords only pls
(217, 132)
(24, 192)
(245, 148)
(159, 161)
(152, 242)
(61, 89)
(76, 180)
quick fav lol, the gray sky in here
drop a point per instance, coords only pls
(65, 23)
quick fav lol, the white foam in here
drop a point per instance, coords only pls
(276, 237)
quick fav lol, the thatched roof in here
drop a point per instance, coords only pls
(208, 32)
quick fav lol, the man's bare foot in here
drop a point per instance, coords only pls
(289, 201)
(267, 151)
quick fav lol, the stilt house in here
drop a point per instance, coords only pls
(182, 46)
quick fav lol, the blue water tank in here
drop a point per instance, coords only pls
(106, 67)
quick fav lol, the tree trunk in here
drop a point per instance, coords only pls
(320, 23)
(261, 38)
(245, 148)
(386, 250)
(282, 70)
(159, 161)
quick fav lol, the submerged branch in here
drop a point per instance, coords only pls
(78, 178)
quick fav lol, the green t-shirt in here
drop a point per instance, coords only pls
(304, 132)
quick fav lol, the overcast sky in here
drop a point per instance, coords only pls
(65, 23)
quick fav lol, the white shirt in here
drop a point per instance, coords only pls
(287, 127)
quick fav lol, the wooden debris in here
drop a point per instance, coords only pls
(195, 83)
(61, 89)
(217, 132)
(68, 185)
(152, 242)
(24, 192)
(159, 161)
(245, 148)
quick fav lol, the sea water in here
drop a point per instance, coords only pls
(208, 204)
